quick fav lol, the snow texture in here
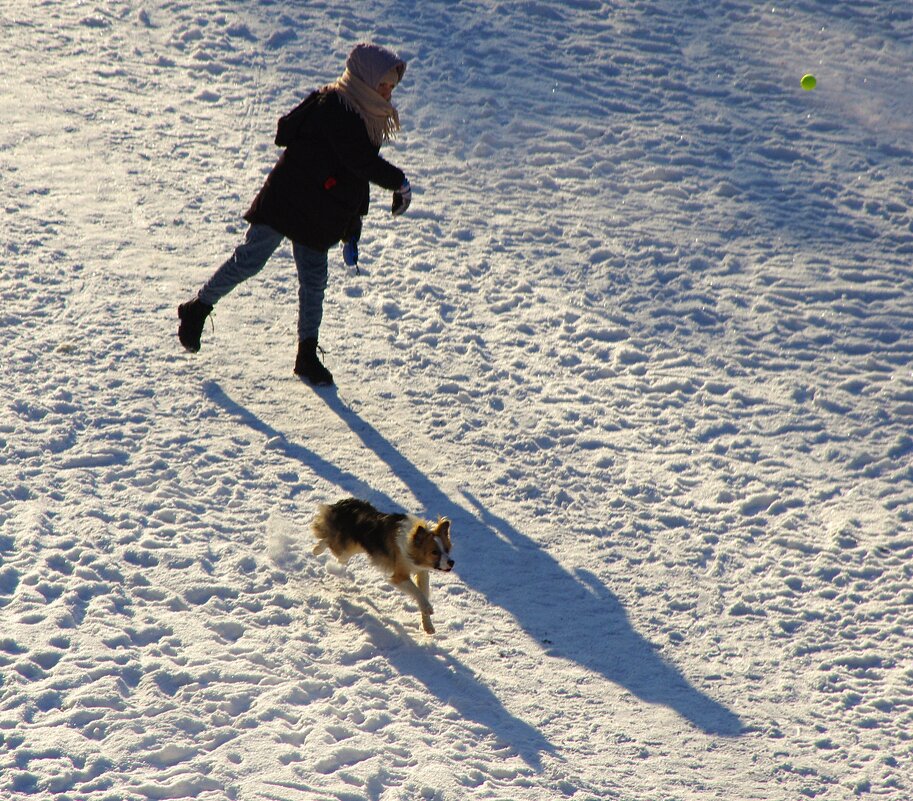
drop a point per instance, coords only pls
(644, 336)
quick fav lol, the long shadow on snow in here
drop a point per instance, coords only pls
(450, 680)
(578, 618)
(444, 676)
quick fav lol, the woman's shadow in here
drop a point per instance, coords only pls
(575, 616)
(444, 675)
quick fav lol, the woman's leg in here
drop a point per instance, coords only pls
(247, 260)
(312, 282)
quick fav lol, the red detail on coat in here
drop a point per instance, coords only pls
(329, 183)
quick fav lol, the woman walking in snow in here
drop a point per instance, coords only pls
(316, 195)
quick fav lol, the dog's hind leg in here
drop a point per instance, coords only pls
(320, 547)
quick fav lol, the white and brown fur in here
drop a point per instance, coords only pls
(401, 545)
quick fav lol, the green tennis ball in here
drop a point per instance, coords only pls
(808, 82)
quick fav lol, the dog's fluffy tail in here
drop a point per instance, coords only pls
(320, 528)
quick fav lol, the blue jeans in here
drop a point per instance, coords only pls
(249, 258)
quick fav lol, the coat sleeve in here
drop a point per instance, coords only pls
(349, 140)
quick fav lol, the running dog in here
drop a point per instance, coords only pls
(400, 545)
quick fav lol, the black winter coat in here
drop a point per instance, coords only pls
(318, 191)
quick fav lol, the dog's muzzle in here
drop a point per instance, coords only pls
(444, 562)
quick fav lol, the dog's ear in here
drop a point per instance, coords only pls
(443, 527)
(421, 534)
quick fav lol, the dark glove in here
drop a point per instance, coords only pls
(402, 197)
(350, 252)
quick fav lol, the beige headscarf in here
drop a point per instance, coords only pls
(366, 67)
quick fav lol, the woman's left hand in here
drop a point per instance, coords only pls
(402, 197)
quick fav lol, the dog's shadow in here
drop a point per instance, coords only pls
(575, 616)
(450, 680)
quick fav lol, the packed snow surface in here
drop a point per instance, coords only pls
(645, 336)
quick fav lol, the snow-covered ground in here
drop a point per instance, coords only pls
(644, 336)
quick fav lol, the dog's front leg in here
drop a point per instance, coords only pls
(427, 625)
(423, 580)
(407, 586)
(424, 586)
